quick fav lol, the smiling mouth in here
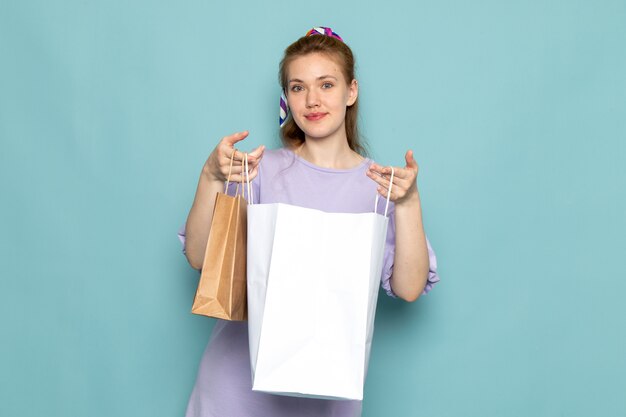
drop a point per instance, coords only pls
(315, 116)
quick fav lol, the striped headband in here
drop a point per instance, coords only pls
(321, 30)
(284, 108)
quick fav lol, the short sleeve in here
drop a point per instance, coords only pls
(388, 257)
(433, 277)
(181, 237)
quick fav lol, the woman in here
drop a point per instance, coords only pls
(321, 166)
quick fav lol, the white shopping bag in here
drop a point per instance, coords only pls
(313, 280)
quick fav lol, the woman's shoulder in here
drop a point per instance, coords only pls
(277, 155)
(277, 159)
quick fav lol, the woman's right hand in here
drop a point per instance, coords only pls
(217, 166)
(214, 173)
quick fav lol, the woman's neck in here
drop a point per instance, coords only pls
(326, 154)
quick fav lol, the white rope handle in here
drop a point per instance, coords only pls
(249, 186)
(388, 195)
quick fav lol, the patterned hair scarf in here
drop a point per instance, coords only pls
(284, 108)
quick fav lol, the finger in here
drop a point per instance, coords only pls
(398, 173)
(255, 160)
(253, 157)
(252, 165)
(399, 188)
(253, 173)
(257, 152)
(402, 174)
(236, 170)
(236, 178)
(378, 171)
(384, 170)
(383, 191)
(230, 140)
(236, 155)
(410, 160)
(237, 167)
(379, 179)
(241, 176)
(393, 196)
(377, 176)
(376, 168)
(231, 153)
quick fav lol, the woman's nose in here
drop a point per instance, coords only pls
(312, 99)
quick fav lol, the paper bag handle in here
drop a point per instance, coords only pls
(244, 169)
(388, 195)
(230, 170)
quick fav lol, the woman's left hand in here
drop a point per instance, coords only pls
(404, 180)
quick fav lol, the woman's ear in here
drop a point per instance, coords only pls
(353, 91)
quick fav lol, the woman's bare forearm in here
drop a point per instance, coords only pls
(411, 263)
(200, 217)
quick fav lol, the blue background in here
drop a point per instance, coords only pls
(516, 112)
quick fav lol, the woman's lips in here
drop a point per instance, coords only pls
(315, 116)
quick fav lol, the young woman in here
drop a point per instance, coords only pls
(321, 166)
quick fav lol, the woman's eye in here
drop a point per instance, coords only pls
(327, 85)
(296, 88)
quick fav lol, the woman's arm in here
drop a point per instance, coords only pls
(214, 173)
(411, 263)
(200, 216)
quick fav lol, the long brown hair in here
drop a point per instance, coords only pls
(290, 133)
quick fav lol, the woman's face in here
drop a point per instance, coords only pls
(318, 94)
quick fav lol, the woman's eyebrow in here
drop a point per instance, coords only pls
(322, 77)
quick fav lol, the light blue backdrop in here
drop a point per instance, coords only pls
(517, 115)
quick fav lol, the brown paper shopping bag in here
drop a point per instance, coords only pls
(221, 291)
